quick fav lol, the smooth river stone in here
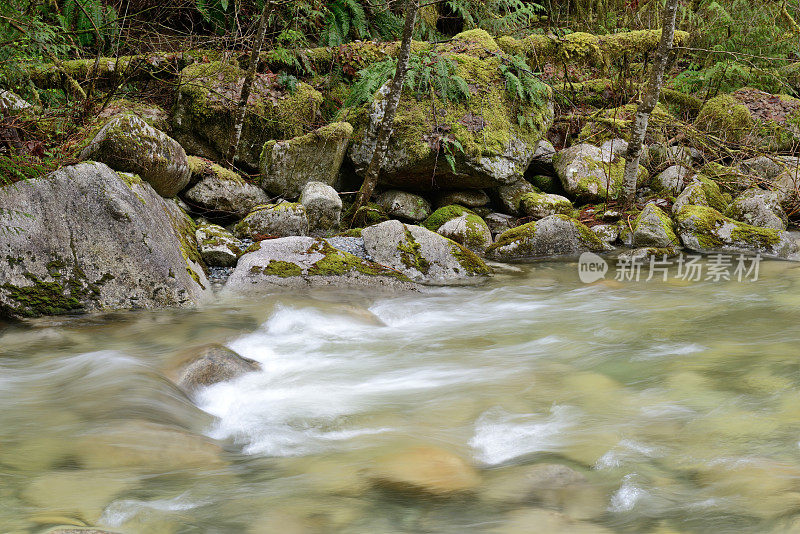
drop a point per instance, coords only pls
(535, 520)
(425, 470)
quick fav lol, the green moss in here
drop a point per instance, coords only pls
(615, 123)
(410, 254)
(41, 298)
(665, 222)
(538, 203)
(726, 179)
(469, 261)
(202, 167)
(707, 224)
(681, 102)
(444, 214)
(338, 262)
(476, 42)
(352, 232)
(514, 235)
(725, 117)
(283, 269)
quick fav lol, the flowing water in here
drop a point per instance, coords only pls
(676, 406)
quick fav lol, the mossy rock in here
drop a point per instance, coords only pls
(468, 230)
(704, 229)
(308, 262)
(654, 228)
(540, 205)
(555, 235)
(442, 215)
(497, 145)
(206, 108)
(615, 123)
(766, 121)
(702, 191)
(590, 175)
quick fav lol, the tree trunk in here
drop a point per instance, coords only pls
(392, 100)
(247, 85)
(647, 104)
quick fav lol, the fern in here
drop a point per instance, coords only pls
(369, 81)
(344, 21)
(88, 18)
(523, 86)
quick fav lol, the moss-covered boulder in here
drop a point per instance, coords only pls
(509, 196)
(204, 113)
(730, 180)
(767, 121)
(615, 123)
(590, 175)
(86, 238)
(307, 262)
(128, 144)
(152, 114)
(700, 192)
(287, 166)
(274, 220)
(556, 235)
(468, 230)
(540, 205)
(705, 229)
(217, 246)
(654, 228)
(444, 214)
(422, 255)
(759, 208)
(497, 134)
(220, 193)
(404, 205)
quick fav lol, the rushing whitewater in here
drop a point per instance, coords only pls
(672, 407)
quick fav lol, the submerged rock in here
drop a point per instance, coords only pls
(274, 220)
(420, 254)
(588, 174)
(323, 207)
(220, 192)
(759, 208)
(307, 262)
(425, 471)
(705, 230)
(128, 144)
(555, 235)
(405, 206)
(468, 230)
(654, 228)
(205, 110)
(287, 166)
(217, 246)
(497, 135)
(91, 239)
(210, 364)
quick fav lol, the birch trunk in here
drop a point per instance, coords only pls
(247, 85)
(647, 104)
(392, 101)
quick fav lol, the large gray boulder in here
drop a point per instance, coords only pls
(556, 235)
(273, 220)
(206, 107)
(128, 144)
(509, 196)
(704, 229)
(403, 205)
(654, 228)
(759, 208)
(420, 254)
(323, 207)
(488, 147)
(590, 174)
(307, 262)
(470, 198)
(12, 103)
(85, 238)
(540, 205)
(287, 166)
(220, 192)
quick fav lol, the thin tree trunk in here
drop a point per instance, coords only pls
(392, 100)
(648, 104)
(247, 85)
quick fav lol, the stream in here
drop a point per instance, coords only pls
(674, 405)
